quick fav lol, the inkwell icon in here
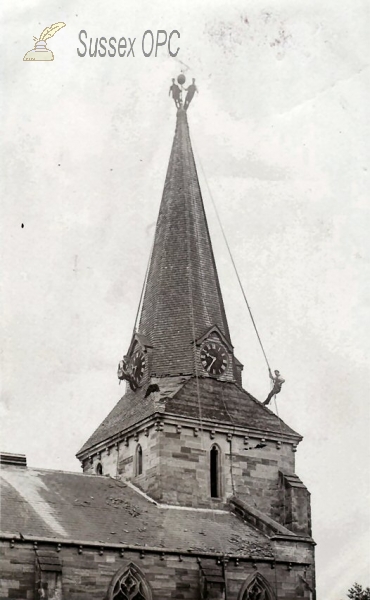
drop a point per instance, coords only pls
(40, 51)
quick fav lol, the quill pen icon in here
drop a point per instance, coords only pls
(40, 51)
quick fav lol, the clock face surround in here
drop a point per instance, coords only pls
(138, 363)
(214, 358)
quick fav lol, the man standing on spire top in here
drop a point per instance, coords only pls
(176, 93)
(189, 96)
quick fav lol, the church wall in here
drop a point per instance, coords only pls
(120, 460)
(285, 582)
(87, 575)
(294, 550)
(17, 569)
(108, 460)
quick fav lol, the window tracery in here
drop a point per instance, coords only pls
(255, 592)
(129, 585)
(256, 588)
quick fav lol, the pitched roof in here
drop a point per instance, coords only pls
(132, 408)
(89, 508)
(182, 297)
(220, 402)
(227, 403)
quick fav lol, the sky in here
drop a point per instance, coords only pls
(280, 130)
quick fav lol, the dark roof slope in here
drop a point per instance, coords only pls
(132, 408)
(89, 508)
(227, 403)
(221, 402)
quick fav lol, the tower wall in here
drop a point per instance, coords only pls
(176, 470)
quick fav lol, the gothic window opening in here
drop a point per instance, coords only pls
(139, 460)
(129, 585)
(256, 588)
(99, 469)
(215, 471)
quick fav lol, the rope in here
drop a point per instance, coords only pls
(231, 443)
(233, 263)
(221, 542)
(281, 434)
(190, 281)
(143, 288)
(253, 322)
(277, 414)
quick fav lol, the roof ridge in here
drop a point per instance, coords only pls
(40, 469)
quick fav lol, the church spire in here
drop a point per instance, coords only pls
(182, 299)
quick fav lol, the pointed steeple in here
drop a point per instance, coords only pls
(182, 298)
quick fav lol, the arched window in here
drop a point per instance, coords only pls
(139, 460)
(99, 469)
(256, 588)
(129, 584)
(215, 472)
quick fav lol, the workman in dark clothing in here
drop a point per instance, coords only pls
(124, 370)
(176, 93)
(190, 94)
(278, 382)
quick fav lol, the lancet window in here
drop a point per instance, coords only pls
(215, 471)
(139, 460)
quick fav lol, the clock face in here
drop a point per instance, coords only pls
(137, 367)
(214, 358)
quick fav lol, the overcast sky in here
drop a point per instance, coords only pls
(281, 131)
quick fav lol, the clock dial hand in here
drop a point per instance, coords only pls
(210, 366)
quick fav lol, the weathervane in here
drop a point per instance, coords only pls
(176, 92)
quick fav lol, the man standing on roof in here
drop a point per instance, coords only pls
(176, 93)
(278, 382)
(189, 96)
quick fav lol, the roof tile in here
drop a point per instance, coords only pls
(88, 508)
(219, 401)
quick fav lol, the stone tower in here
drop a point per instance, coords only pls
(186, 432)
(189, 489)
